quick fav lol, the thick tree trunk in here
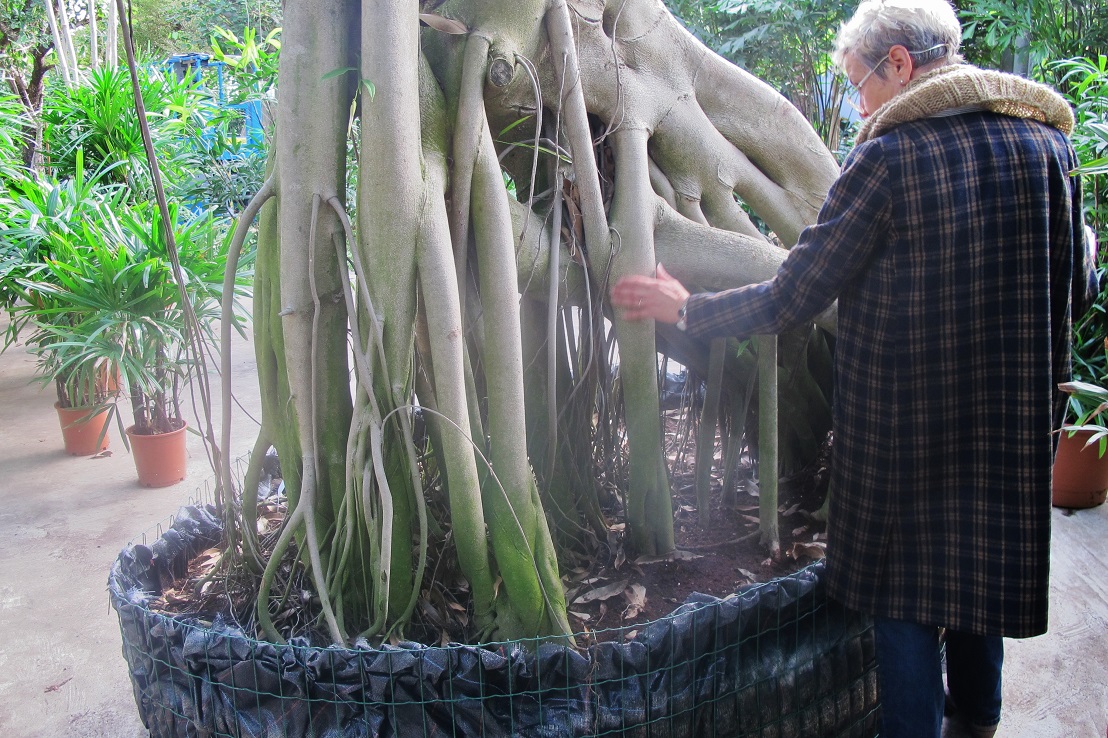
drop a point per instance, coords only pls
(682, 135)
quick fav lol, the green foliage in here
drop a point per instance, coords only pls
(45, 221)
(223, 173)
(1085, 84)
(998, 32)
(1084, 81)
(12, 120)
(1089, 402)
(166, 27)
(221, 167)
(252, 66)
(22, 26)
(107, 294)
(201, 149)
(98, 120)
(38, 215)
(1090, 332)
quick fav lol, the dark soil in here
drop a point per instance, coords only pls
(605, 600)
(717, 559)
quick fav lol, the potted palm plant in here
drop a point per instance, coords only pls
(42, 224)
(133, 316)
(1081, 466)
(1085, 83)
(1081, 463)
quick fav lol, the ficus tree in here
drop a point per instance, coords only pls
(436, 353)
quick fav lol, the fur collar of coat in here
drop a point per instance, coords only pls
(955, 88)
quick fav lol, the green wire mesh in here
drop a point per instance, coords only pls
(776, 659)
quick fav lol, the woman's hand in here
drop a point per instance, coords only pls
(643, 297)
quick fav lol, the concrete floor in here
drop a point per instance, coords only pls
(63, 520)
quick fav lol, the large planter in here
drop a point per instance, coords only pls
(82, 435)
(1080, 473)
(161, 459)
(776, 659)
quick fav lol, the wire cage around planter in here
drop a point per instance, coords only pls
(775, 659)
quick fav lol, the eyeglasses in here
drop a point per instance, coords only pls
(863, 80)
(885, 58)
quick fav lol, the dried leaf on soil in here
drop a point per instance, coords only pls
(636, 600)
(813, 550)
(602, 593)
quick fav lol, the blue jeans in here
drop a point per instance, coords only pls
(910, 680)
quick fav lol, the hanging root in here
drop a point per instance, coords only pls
(249, 531)
(376, 425)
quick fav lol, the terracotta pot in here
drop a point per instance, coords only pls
(160, 460)
(82, 438)
(1080, 473)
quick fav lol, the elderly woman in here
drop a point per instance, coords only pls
(953, 243)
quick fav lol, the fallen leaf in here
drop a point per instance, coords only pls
(801, 529)
(582, 616)
(630, 635)
(173, 598)
(813, 550)
(603, 593)
(636, 600)
(206, 556)
(748, 575)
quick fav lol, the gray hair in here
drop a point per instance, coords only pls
(929, 29)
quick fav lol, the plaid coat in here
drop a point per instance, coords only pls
(954, 247)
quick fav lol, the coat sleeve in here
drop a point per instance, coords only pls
(851, 228)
